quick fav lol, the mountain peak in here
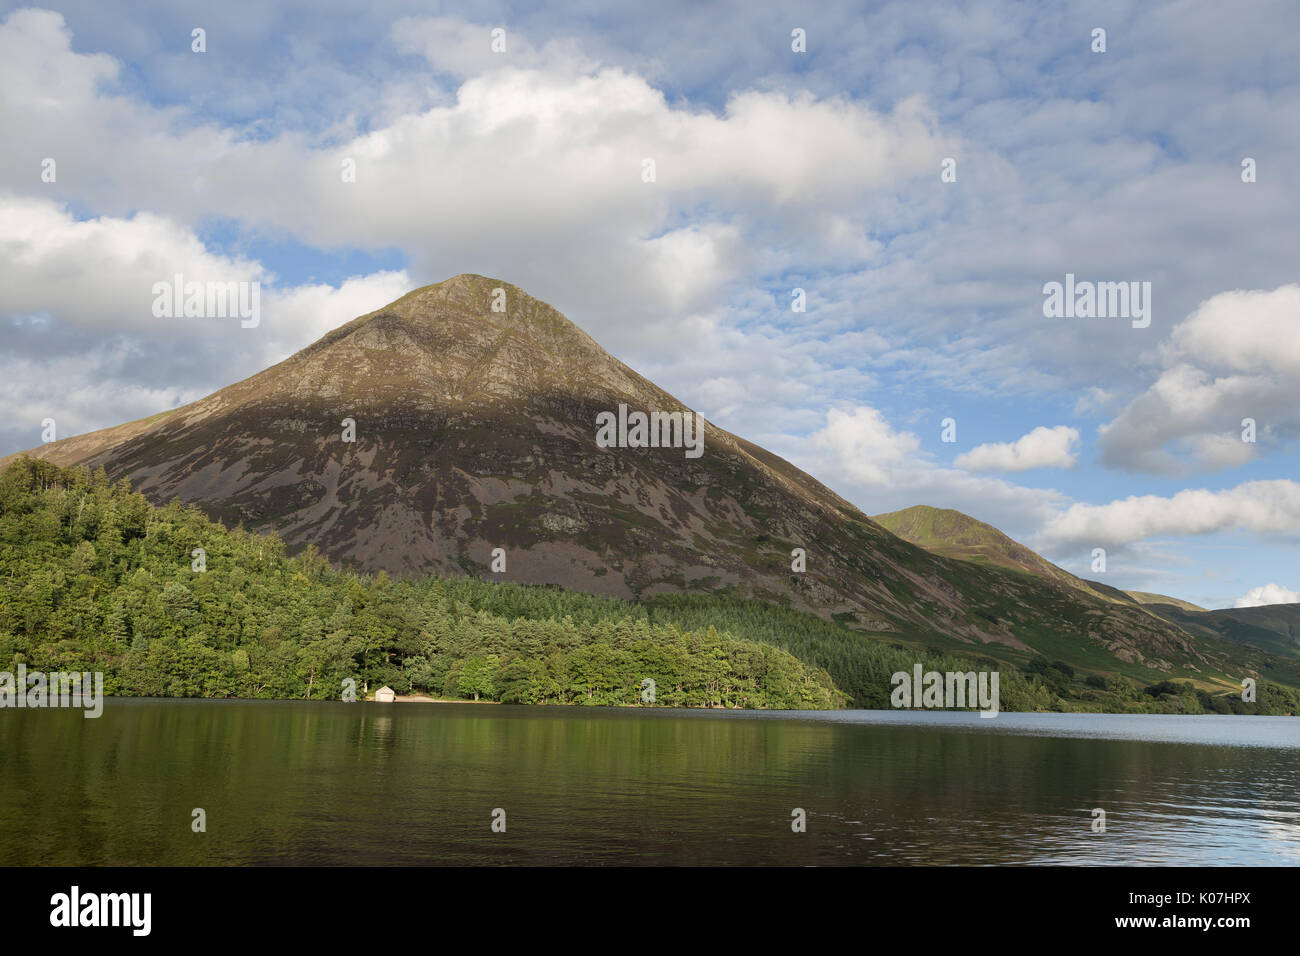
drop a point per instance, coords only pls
(957, 535)
(467, 301)
(954, 534)
(932, 527)
(468, 291)
(467, 338)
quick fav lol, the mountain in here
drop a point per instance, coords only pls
(956, 535)
(475, 429)
(959, 536)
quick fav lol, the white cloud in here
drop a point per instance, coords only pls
(862, 446)
(1042, 448)
(1255, 331)
(1266, 507)
(75, 391)
(1268, 594)
(99, 273)
(1236, 357)
(531, 172)
(82, 344)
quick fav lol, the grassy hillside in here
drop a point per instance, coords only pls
(957, 535)
(1146, 597)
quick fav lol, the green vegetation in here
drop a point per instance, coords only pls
(1146, 597)
(956, 535)
(92, 577)
(861, 665)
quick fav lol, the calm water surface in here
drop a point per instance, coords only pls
(334, 783)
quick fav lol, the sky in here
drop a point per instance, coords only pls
(921, 171)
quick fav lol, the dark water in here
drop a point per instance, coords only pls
(334, 783)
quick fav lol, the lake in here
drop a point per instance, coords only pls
(321, 783)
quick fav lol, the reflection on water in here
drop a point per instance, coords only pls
(333, 783)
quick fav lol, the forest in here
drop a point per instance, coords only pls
(167, 603)
(97, 579)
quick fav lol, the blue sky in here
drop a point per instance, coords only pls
(774, 170)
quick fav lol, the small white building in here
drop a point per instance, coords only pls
(385, 695)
